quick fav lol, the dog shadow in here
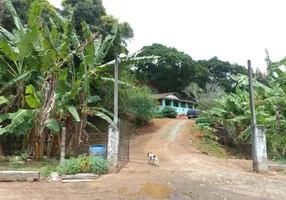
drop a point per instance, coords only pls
(139, 163)
(133, 158)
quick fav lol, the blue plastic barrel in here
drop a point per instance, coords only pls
(98, 150)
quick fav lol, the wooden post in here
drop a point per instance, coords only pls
(63, 153)
(258, 139)
(116, 91)
(113, 130)
(252, 108)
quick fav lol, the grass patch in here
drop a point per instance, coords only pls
(45, 167)
(210, 147)
(281, 161)
(204, 141)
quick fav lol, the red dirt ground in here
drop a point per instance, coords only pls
(184, 173)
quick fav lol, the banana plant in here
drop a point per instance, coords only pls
(92, 64)
(21, 121)
(72, 84)
(17, 49)
(19, 57)
(62, 88)
(233, 111)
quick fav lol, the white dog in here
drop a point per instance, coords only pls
(153, 159)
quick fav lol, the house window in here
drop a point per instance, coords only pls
(160, 102)
(176, 104)
(168, 103)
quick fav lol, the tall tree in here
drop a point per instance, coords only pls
(220, 72)
(94, 14)
(173, 71)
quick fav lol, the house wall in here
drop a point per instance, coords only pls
(182, 108)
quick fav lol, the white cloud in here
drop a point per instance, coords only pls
(234, 31)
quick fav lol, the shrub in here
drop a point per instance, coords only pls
(98, 165)
(169, 112)
(203, 120)
(134, 101)
(138, 102)
(83, 164)
(158, 115)
(69, 166)
(24, 156)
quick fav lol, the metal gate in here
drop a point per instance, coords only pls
(123, 148)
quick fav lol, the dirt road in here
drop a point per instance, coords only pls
(184, 173)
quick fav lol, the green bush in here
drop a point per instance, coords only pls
(24, 156)
(83, 164)
(168, 112)
(203, 120)
(138, 102)
(69, 166)
(135, 103)
(158, 115)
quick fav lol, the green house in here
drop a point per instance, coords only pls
(173, 100)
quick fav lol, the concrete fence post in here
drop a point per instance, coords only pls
(63, 147)
(112, 148)
(258, 138)
(260, 162)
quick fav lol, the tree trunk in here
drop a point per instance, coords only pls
(59, 143)
(20, 92)
(82, 127)
(1, 147)
(50, 145)
(40, 147)
(27, 141)
(44, 114)
(83, 119)
(63, 146)
(277, 118)
(2, 9)
(70, 144)
(42, 143)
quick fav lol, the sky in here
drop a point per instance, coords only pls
(232, 30)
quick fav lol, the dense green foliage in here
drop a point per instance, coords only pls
(172, 71)
(221, 71)
(94, 14)
(83, 164)
(49, 64)
(135, 103)
(168, 112)
(175, 70)
(230, 117)
(138, 103)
